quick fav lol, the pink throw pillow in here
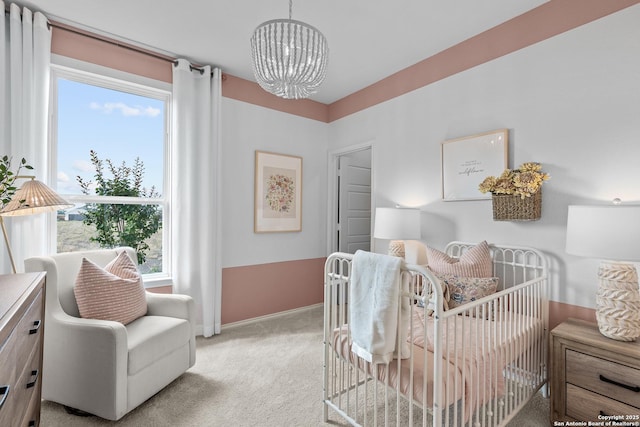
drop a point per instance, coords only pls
(475, 262)
(113, 293)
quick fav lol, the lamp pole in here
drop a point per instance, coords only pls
(6, 240)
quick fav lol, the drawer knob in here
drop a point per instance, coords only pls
(34, 375)
(5, 392)
(633, 388)
(36, 326)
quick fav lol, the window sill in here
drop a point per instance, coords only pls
(157, 281)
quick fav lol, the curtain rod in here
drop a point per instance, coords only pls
(114, 42)
(109, 40)
(133, 48)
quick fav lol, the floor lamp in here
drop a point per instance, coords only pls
(610, 233)
(397, 224)
(32, 198)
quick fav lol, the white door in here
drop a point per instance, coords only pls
(354, 203)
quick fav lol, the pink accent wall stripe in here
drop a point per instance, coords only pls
(541, 23)
(248, 91)
(258, 290)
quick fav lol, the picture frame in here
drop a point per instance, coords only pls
(277, 193)
(467, 161)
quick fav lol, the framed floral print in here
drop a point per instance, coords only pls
(278, 193)
(467, 161)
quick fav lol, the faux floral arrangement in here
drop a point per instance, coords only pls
(524, 181)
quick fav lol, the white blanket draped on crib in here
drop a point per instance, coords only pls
(376, 284)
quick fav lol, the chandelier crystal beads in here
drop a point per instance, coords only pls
(289, 57)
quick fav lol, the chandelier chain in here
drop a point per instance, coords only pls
(290, 8)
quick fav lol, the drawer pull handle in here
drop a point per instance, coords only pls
(5, 392)
(34, 375)
(36, 326)
(633, 388)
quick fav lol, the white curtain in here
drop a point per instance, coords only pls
(196, 190)
(25, 54)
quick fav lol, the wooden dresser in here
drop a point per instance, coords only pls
(21, 337)
(593, 377)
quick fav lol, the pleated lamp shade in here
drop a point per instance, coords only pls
(32, 198)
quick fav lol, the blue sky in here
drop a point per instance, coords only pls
(119, 126)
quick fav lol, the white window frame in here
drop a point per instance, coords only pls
(83, 72)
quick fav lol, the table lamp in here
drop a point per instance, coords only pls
(610, 233)
(32, 198)
(397, 224)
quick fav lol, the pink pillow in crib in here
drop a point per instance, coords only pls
(475, 262)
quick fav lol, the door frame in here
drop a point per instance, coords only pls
(333, 192)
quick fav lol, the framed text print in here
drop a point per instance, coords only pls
(278, 193)
(467, 161)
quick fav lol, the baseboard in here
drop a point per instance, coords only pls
(269, 316)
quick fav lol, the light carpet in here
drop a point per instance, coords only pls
(267, 373)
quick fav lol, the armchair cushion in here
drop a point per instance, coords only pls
(113, 293)
(150, 338)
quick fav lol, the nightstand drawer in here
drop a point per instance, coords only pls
(585, 405)
(604, 377)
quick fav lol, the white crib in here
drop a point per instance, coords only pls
(476, 365)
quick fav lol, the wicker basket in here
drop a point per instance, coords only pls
(515, 208)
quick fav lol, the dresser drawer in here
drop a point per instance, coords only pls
(585, 405)
(29, 330)
(32, 416)
(604, 377)
(7, 379)
(27, 385)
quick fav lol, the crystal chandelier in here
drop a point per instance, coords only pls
(289, 57)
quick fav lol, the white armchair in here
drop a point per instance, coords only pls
(103, 367)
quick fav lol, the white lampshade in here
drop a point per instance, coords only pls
(604, 232)
(397, 224)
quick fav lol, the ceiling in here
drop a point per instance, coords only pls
(368, 39)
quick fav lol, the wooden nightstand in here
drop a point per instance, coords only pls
(593, 376)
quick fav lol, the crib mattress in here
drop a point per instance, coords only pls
(413, 373)
(473, 375)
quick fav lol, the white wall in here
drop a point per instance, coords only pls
(571, 102)
(247, 128)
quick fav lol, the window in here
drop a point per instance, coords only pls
(110, 158)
